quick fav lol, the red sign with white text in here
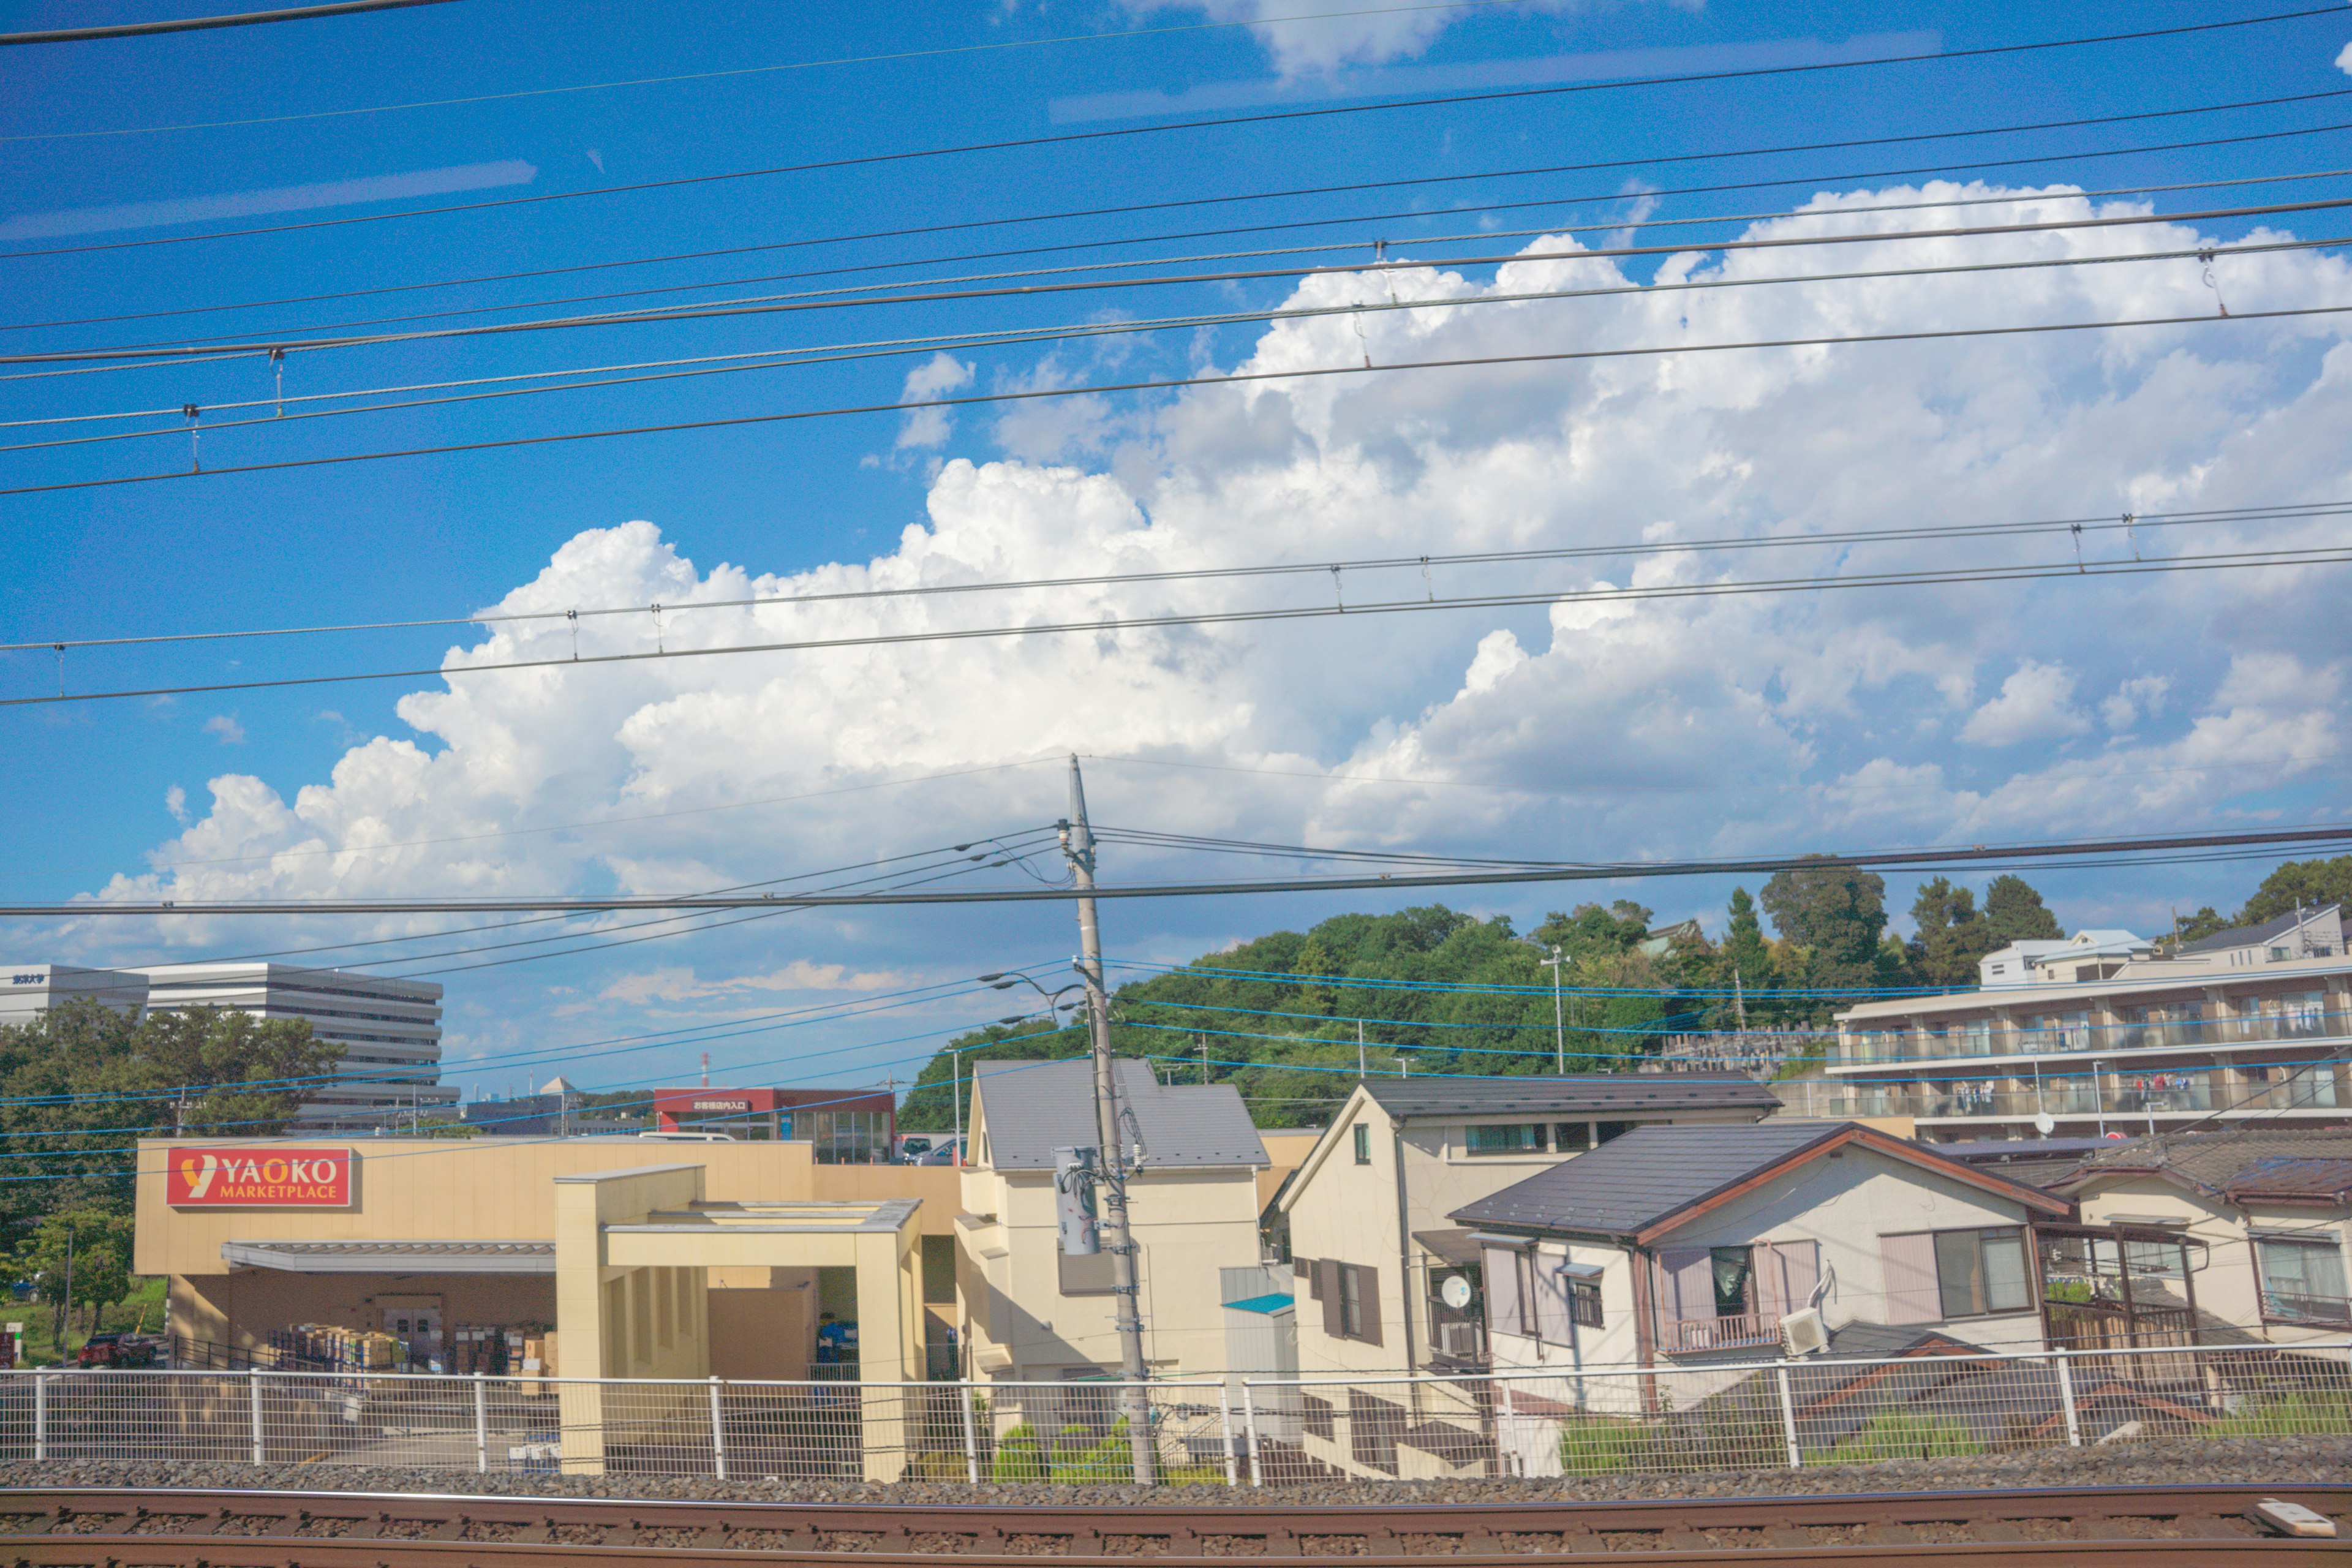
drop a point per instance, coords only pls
(261, 1178)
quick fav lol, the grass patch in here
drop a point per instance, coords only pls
(2300, 1414)
(1895, 1436)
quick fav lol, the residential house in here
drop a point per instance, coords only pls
(1365, 1215)
(1682, 1242)
(2246, 1024)
(1029, 1312)
(2264, 1216)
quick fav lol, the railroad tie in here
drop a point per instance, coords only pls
(1680, 1540)
(1788, 1536)
(2207, 1527)
(1184, 1541)
(1998, 1532)
(450, 1529)
(1888, 1532)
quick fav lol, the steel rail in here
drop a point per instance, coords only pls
(2053, 1525)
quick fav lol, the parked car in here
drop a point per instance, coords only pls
(926, 1149)
(117, 1349)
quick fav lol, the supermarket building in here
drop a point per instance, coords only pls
(618, 1258)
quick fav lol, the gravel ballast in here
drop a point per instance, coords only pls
(2271, 1461)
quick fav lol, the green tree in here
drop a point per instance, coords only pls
(91, 1247)
(2014, 911)
(245, 1077)
(1952, 935)
(1836, 915)
(2308, 883)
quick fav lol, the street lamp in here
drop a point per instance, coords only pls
(999, 981)
(1558, 1020)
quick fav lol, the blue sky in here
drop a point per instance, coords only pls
(1840, 722)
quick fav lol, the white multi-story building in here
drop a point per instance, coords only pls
(389, 1031)
(2111, 1036)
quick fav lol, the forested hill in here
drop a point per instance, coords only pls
(1279, 1016)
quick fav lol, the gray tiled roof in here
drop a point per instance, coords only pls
(2211, 1162)
(1035, 1108)
(2254, 936)
(1579, 1094)
(1648, 1174)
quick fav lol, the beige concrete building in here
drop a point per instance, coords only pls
(433, 1237)
(1366, 1216)
(1031, 1313)
(2265, 1219)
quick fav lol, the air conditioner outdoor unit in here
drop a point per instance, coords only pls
(1802, 1332)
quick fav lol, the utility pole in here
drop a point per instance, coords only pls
(1740, 1001)
(1127, 1296)
(1360, 1050)
(955, 1097)
(1202, 1040)
(1558, 1020)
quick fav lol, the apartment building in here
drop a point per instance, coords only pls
(2109, 1037)
(389, 1031)
(1366, 1216)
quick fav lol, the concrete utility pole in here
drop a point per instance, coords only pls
(1079, 845)
(1558, 1020)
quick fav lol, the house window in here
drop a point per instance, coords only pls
(1605, 1131)
(1571, 1137)
(1363, 1145)
(1735, 1270)
(1350, 1294)
(1944, 1274)
(2303, 1281)
(1513, 1138)
(1585, 1302)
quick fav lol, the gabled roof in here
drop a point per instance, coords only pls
(1599, 1094)
(1653, 1180)
(1035, 1108)
(2256, 935)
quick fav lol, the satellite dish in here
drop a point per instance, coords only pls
(1455, 1293)
(2045, 1124)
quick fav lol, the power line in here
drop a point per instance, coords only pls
(1349, 188)
(699, 366)
(2067, 525)
(1169, 385)
(865, 294)
(204, 23)
(1269, 117)
(1897, 859)
(745, 70)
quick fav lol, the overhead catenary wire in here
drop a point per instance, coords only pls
(2238, 560)
(866, 296)
(703, 365)
(991, 47)
(1265, 117)
(1377, 245)
(207, 23)
(1909, 533)
(1898, 859)
(1177, 203)
(1165, 385)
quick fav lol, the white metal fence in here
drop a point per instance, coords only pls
(1940, 1401)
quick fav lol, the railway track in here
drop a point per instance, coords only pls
(124, 1527)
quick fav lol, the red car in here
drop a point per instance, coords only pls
(117, 1349)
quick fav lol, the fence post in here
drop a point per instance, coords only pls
(253, 1384)
(1789, 1418)
(2066, 1398)
(1226, 1426)
(40, 1416)
(965, 1393)
(1249, 1429)
(1506, 1429)
(481, 1423)
(718, 1431)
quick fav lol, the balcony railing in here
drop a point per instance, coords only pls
(2294, 1306)
(1688, 1336)
(2053, 1035)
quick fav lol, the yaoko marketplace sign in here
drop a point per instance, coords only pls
(252, 1178)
